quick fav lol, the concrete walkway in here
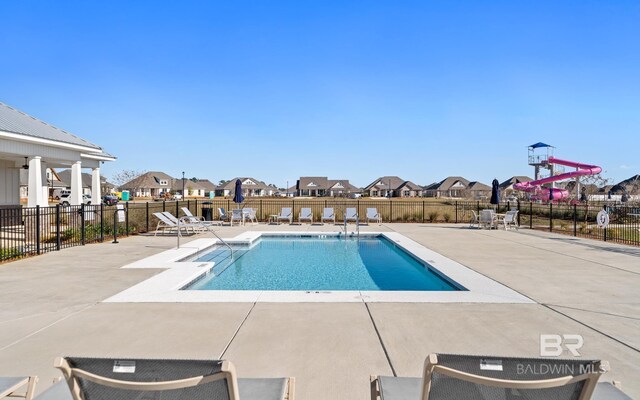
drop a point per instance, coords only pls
(51, 306)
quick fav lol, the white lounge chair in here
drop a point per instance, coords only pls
(475, 220)
(19, 386)
(447, 376)
(189, 217)
(184, 222)
(373, 215)
(250, 214)
(165, 224)
(510, 219)
(487, 219)
(351, 215)
(305, 215)
(328, 215)
(237, 215)
(129, 379)
(285, 215)
(222, 215)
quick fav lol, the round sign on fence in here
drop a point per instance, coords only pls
(602, 219)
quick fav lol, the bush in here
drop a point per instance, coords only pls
(447, 217)
(6, 254)
(432, 216)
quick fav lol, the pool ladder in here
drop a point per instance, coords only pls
(357, 226)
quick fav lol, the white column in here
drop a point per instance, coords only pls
(95, 186)
(76, 184)
(35, 194)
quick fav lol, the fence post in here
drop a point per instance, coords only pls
(126, 215)
(58, 238)
(196, 207)
(478, 206)
(82, 232)
(37, 229)
(530, 214)
(550, 217)
(189, 206)
(146, 211)
(456, 211)
(260, 210)
(605, 234)
(177, 205)
(102, 222)
(164, 205)
(575, 220)
(293, 208)
(390, 210)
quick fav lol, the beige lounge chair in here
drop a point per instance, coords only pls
(475, 220)
(373, 215)
(510, 219)
(328, 215)
(487, 219)
(18, 386)
(351, 215)
(285, 215)
(129, 379)
(452, 377)
(305, 215)
(189, 217)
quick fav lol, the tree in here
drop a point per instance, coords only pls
(222, 182)
(125, 176)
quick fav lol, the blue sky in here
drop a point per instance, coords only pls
(356, 90)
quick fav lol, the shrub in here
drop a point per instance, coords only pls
(432, 216)
(447, 217)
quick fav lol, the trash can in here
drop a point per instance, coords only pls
(125, 195)
(207, 211)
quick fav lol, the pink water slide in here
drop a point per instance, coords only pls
(541, 193)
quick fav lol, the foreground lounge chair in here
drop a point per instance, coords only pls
(129, 379)
(222, 215)
(487, 219)
(475, 220)
(19, 386)
(454, 377)
(285, 215)
(58, 391)
(372, 215)
(305, 215)
(165, 224)
(189, 217)
(328, 215)
(510, 219)
(184, 222)
(237, 215)
(250, 214)
(351, 215)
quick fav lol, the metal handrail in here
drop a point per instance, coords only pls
(221, 240)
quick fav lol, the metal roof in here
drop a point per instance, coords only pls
(16, 121)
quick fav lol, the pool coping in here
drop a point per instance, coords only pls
(165, 286)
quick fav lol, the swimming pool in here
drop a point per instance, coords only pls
(319, 263)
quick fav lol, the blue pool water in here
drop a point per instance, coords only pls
(319, 263)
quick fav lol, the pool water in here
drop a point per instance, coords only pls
(320, 263)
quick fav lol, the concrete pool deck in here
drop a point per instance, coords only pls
(52, 305)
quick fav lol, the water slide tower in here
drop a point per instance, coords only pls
(539, 154)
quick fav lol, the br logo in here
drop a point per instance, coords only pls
(554, 345)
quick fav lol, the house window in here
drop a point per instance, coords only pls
(374, 193)
(406, 193)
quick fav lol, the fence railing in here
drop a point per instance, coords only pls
(28, 231)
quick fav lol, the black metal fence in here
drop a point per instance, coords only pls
(29, 231)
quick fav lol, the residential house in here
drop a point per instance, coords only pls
(191, 188)
(33, 146)
(392, 186)
(319, 186)
(65, 180)
(453, 186)
(251, 187)
(479, 191)
(207, 186)
(149, 184)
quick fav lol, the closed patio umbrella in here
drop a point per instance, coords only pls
(237, 196)
(495, 192)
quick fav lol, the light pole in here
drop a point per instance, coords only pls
(183, 195)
